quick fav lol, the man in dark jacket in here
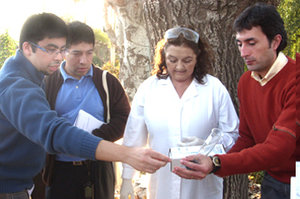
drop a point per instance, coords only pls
(78, 85)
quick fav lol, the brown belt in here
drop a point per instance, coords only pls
(74, 163)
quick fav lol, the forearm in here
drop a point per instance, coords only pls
(276, 150)
(113, 130)
(109, 151)
(141, 159)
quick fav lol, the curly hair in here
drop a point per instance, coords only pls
(201, 67)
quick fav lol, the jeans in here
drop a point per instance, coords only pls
(274, 189)
(18, 195)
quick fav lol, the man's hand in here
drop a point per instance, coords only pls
(198, 170)
(141, 159)
(146, 160)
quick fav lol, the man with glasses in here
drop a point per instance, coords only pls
(78, 86)
(266, 92)
(51, 49)
(29, 127)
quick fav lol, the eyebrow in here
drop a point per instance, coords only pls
(247, 40)
(75, 50)
(55, 46)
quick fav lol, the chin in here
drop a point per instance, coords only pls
(48, 72)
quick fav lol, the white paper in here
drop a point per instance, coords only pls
(298, 179)
(295, 183)
(87, 122)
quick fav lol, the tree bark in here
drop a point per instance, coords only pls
(142, 23)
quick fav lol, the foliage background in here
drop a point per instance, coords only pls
(289, 11)
(7, 47)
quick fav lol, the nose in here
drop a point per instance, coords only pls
(244, 51)
(59, 55)
(179, 64)
(83, 58)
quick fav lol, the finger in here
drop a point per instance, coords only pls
(192, 174)
(190, 157)
(188, 174)
(191, 164)
(160, 157)
(156, 164)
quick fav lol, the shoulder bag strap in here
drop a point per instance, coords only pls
(104, 81)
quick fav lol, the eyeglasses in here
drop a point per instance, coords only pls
(52, 51)
(187, 33)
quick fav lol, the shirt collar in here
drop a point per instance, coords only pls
(279, 63)
(168, 81)
(67, 76)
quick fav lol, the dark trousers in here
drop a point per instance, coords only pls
(19, 195)
(69, 181)
(274, 189)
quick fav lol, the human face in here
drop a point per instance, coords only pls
(79, 58)
(255, 49)
(43, 61)
(180, 61)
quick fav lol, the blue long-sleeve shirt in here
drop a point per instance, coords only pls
(28, 127)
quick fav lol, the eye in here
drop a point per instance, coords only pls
(239, 44)
(172, 60)
(52, 50)
(77, 54)
(252, 43)
(90, 52)
(187, 61)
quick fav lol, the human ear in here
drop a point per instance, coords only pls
(26, 48)
(276, 41)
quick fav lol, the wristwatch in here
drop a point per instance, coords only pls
(216, 163)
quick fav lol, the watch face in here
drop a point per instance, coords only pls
(216, 161)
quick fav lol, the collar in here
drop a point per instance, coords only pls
(25, 68)
(279, 63)
(67, 76)
(168, 81)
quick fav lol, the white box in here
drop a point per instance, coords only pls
(177, 153)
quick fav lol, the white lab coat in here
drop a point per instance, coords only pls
(160, 117)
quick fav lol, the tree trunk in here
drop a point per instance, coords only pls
(142, 23)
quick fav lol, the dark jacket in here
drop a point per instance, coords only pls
(112, 131)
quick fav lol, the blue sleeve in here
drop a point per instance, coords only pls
(24, 105)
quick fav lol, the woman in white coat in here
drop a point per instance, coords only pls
(180, 101)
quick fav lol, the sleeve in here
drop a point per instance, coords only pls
(27, 109)
(119, 111)
(228, 119)
(276, 150)
(135, 131)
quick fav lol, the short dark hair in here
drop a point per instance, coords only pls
(200, 49)
(265, 16)
(40, 26)
(79, 32)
